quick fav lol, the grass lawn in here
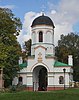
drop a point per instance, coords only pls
(69, 94)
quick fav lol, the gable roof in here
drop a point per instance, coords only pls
(60, 64)
(23, 65)
(40, 46)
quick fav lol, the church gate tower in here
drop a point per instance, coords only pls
(42, 71)
(42, 49)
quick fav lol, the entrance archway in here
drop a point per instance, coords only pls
(43, 79)
(40, 78)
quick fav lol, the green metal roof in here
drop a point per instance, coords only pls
(60, 64)
(49, 55)
(23, 65)
(56, 64)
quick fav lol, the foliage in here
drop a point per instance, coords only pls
(69, 45)
(27, 48)
(53, 95)
(10, 49)
(17, 88)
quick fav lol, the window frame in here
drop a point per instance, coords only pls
(40, 36)
(61, 80)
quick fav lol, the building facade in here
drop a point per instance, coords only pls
(42, 71)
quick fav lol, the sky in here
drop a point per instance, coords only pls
(64, 14)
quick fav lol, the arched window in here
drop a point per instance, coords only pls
(40, 36)
(61, 80)
(20, 80)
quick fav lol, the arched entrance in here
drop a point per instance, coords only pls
(40, 78)
(43, 79)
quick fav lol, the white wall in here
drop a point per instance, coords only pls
(45, 48)
(48, 38)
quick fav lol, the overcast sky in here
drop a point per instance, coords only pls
(64, 14)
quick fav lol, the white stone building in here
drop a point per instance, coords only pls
(42, 71)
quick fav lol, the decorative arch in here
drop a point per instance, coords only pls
(48, 31)
(42, 64)
(48, 34)
(40, 78)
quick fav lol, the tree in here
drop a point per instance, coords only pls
(69, 45)
(10, 49)
(27, 49)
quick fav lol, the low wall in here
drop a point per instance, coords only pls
(48, 88)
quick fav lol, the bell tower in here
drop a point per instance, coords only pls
(43, 34)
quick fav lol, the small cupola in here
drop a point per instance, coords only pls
(43, 20)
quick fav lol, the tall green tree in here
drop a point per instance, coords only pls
(69, 45)
(10, 49)
(27, 49)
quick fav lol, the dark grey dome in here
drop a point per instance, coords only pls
(42, 20)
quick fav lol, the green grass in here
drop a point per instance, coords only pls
(69, 94)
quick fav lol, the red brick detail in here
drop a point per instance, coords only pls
(48, 88)
(29, 89)
(54, 88)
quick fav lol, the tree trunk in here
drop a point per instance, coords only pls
(1, 78)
